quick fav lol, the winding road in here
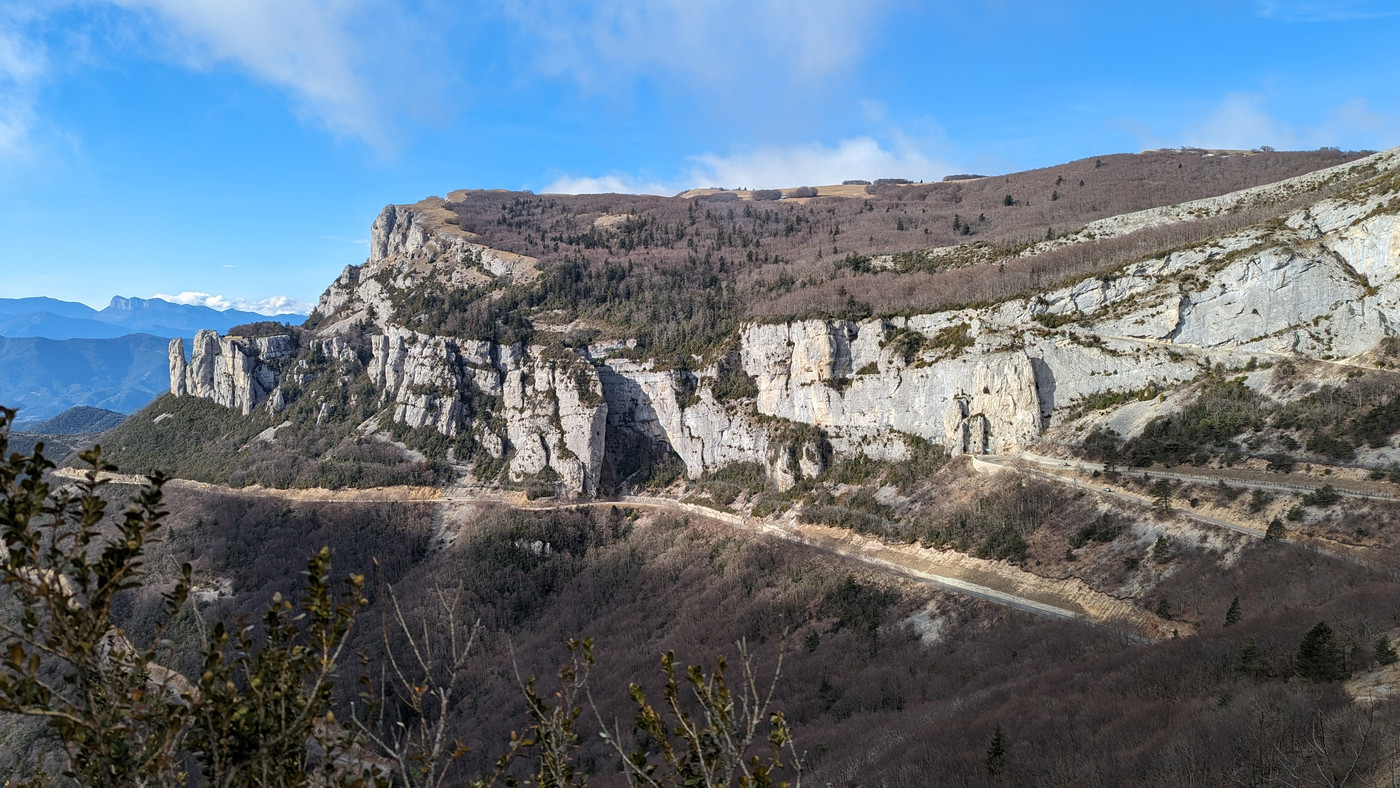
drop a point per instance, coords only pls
(996, 582)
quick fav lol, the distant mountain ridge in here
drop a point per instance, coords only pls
(55, 326)
(77, 420)
(54, 319)
(24, 306)
(44, 377)
(56, 354)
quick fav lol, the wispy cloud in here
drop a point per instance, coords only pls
(1244, 121)
(345, 240)
(815, 164)
(23, 66)
(1240, 121)
(272, 305)
(1325, 10)
(612, 183)
(809, 164)
(349, 65)
(713, 43)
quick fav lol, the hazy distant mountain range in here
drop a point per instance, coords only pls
(72, 430)
(57, 354)
(54, 319)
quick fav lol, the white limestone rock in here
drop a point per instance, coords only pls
(231, 371)
(791, 365)
(177, 367)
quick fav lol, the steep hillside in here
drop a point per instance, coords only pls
(886, 680)
(626, 357)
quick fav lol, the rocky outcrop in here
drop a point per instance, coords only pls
(421, 376)
(176, 352)
(541, 407)
(555, 417)
(668, 411)
(842, 376)
(235, 372)
(413, 246)
(1320, 282)
(427, 232)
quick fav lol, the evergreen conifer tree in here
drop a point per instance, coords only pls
(1385, 652)
(1251, 661)
(1320, 657)
(1162, 550)
(1276, 532)
(1232, 616)
(1162, 496)
(1110, 459)
(996, 752)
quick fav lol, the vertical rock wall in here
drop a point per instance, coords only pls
(232, 371)
(836, 375)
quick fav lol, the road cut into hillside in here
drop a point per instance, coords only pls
(1055, 470)
(998, 582)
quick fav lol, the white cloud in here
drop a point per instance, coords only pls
(717, 43)
(335, 57)
(815, 164)
(23, 66)
(810, 164)
(272, 305)
(613, 183)
(278, 305)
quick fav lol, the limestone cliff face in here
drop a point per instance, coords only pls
(1326, 284)
(413, 246)
(556, 417)
(840, 376)
(545, 409)
(178, 366)
(232, 371)
(1322, 282)
(667, 408)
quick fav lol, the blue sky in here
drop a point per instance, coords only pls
(236, 151)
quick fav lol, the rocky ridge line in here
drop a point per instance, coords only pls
(1321, 282)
